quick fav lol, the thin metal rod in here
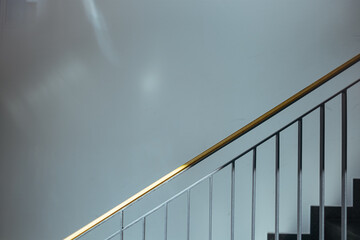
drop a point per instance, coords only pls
(3, 18)
(144, 228)
(176, 195)
(297, 119)
(122, 226)
(343, 165)
(166, 220)
(210, 205)
(299, 181)
(188, 216)
(112, 235)
(322, 173)
(232, 200)
(253, 197)
(277, 184)
(218, 146)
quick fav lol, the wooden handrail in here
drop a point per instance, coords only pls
(218, 146)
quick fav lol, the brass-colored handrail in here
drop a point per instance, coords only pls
(217, 146)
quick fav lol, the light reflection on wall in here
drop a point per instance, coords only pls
(151, 81)
(101, 30)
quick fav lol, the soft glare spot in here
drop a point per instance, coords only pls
(151, 83)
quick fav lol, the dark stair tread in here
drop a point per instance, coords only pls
(356, 193)
(285, 236)
(333, 213)
(333, 229)
(332, 221)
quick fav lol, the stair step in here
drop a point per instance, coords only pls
(283, 236)
(332, 223)
(333, 229)
(356, 193)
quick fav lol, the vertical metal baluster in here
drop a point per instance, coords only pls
(210, 206)
(122, 226)
(166, 220)
(299, 182)
(232, 198)
(188, 215)
(253, 197)
(343, 165)
(322, 173)
(144, 228)
(3, 18)
(277, 161)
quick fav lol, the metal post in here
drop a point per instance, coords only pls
(210, 205)
(343, 165)
(122, 226)
(299, 182)
(3, 12)
(253, 197)
(166, 220)
(322, 173)
(188, 215)
(144, 228)
(277, 176)
(232, 198)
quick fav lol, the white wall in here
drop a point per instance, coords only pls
(100, 98)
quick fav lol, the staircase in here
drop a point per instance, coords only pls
(327, 223)
(332, 221)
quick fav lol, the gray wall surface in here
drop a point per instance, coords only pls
(98, 99)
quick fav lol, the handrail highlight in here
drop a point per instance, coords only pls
(217, 146)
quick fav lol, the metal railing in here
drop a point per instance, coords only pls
(120, 209)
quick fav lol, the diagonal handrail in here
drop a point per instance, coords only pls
(217, 146)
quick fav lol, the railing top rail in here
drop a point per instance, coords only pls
(217, 146)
